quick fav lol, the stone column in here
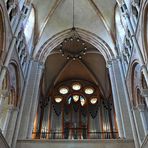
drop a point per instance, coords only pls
(28, 97)
(11, 48)
(141, 110)
(116, 102)
(145, 95)
(126, 15)
(22, 104)
(35, 99)
(1, 102)
(7, 120)
(138, 124)
(121, 92)
(31, 100)
(3, 95)
(11, 125)
(127, 107)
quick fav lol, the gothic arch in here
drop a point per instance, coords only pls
(135, 73)
(137, 83)
(2, 32)
(87, 36)
(14, 83)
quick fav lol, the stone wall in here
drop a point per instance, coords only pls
(3, 143)
(75, 144)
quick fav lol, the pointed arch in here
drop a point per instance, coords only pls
(14, 83)
(87, 36)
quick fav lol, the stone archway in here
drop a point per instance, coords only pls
(85, 35)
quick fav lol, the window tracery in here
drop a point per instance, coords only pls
(75, 114)
(10, 95)
(29, 26)
(12, 8)
(135, 7)
(22, 49)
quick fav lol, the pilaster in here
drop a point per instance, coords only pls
(124, 100)
(116, 102)
(31, 100)
(11, 48)
(11, 125)
(35, 99)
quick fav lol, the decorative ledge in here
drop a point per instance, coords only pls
(92, 143)
(76, 141)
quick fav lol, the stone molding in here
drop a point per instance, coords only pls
(2, 139)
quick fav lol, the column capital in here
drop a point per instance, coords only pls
(14, 37)
(4, 93)
(4, 67)
(31, 58)
(109, 64)
(144, 92)
(41, 66)
(140, 107)
(22, 16)
(143, 67)
(11, 107)
(116, 59)
(120, 2)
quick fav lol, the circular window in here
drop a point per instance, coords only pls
(69, 100)
(82, 101)
(76, 86)
(63, 90)
(58, 99)
(89, 90)
(93, 100)
(75, 98)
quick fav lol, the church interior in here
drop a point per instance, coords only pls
(73, 73)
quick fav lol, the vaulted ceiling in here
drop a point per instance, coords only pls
(90, 67)
(94, 16)
(54, 16)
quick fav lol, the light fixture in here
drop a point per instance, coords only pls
(76, 86)
(89, 90)
(75, 98)
(68, 57)
(63, 90)
(80, 57)
(93, 100)
(58, 99)
(71, 41)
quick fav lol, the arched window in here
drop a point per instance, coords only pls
(135, 9)
(29, 27)
(76, 111)
(120, 25)
(12, 8)
(122, 39)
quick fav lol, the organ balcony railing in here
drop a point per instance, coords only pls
(75, 133)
